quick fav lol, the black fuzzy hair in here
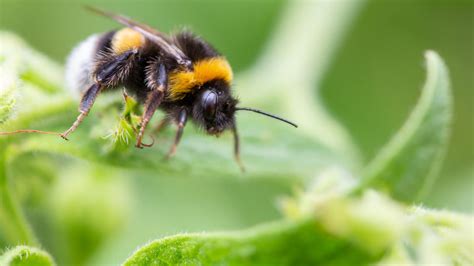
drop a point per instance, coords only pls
(194, 47)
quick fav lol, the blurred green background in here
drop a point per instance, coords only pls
(372, 84)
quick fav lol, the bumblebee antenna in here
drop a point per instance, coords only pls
(266, 114)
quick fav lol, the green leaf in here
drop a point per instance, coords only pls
(26, 256)
(303, 242)
(407, 166)
(29, 64)
(327, 225)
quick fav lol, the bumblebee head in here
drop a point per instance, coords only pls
(214, 108)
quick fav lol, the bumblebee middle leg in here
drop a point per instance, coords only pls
(158, 83)
(111, 73)
(182, 118)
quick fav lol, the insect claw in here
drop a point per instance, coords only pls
(148, 145)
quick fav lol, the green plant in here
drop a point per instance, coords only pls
(349, 214)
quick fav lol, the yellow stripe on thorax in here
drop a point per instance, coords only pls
(182, 82)
(126, 39)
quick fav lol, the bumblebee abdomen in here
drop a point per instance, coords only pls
(80, 65)
(83, 60)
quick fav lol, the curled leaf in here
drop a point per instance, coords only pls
(408, 164)
(123, 133)
(380, 226)
(372, 222)
(26, 256)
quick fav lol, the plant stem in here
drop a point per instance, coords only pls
(295, 62)
(14, 226)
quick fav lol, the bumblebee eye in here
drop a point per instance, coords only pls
(209, 103)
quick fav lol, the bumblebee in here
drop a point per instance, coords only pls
(182, 75)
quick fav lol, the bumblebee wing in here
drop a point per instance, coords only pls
(151, 34)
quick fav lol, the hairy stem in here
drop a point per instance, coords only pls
(14, 226)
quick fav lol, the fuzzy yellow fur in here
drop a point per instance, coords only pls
(126, 39)
(182, 82)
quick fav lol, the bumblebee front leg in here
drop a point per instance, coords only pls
(110, 74)
(182, 118)
(158, 84)
(86, 103)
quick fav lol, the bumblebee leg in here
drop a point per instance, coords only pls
(109, 74)
(162, 125)
(86, 103)
(114, 68)
(159, 84)
(182, 118)
(153, 101)
(237, 148)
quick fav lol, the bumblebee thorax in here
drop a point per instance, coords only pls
(182, 82)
